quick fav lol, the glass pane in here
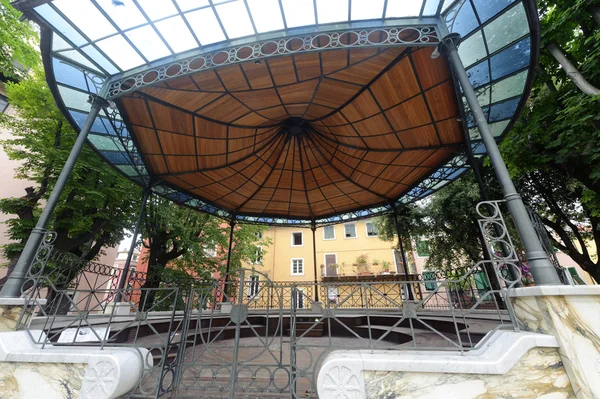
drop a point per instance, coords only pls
(100, 59)
(158, 9)
(79, 58)
(80, 117)
(503, 110)
(366, 9)
(509, 27)
(479, 74)
(124, 13)
(74, 99)
(116, 158)
(148, 42)
(117, 48)
(447, 3)
(205, 26)
(128, 170)
(403, 8)
(235, 19)
(472, 49)
(177, 34)
(186, 5)
(464, 21)
(332, 11)
(59, 24)
(58, 43)
(298, 12)
(431, 7)
(86, 17)
(266, 15)
(104, 143)
(509, 87)
(512, 59)
(487, 9)
(65, 73)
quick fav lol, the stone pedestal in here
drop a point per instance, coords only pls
(226, 307)
(572, 315)
(120, 308)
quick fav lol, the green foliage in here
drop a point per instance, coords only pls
(98, 203)
(182, 238)
(17, 43)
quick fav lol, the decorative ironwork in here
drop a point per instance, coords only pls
(373, 37)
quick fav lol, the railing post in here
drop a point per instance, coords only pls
(314, 229)
(541, 267)
(12, 286)
(231, 230)
(138, 225)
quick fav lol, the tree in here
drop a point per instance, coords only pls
(180, 240)
(97, 205)
(17, 41)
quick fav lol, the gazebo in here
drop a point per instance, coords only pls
(288, 112)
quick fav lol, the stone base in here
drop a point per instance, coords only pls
(572, 315)
(494, 370)
(31, 371)
(226, 307)
(120, 308)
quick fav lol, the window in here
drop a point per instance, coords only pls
(371, 229)
(258, 256)
(298, 299)
(3, 103)
(423, 248)
(350, 230)
(298, 267)
(253, 286)
(297, 240)
(328, 233)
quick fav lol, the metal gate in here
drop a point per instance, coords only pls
(236, 342)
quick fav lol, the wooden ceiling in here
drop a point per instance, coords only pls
(305, 135)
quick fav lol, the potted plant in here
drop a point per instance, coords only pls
(342, 270)
(322, 270)
(386, 267)
(362, 261)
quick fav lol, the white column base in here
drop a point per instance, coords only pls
(109, 373)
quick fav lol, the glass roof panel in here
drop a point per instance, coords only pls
(366, 9)
(266, 15)
(235, 19)
(447, 3)
(148, 42)
(176, 33)
(509, 87)
(65, 73)
(431, 7)
(464, 22)
(403, 8)
(124, 13)
(472, 49)
(58, 43)
(74, 99)
(205, 26)
(59, 23)
(104, 143)
(186, 5)
(99, 59)
(81, 13)
(332, 11)
(298, 12)
(158, 9)
(479, 74)
(511, 59)
(79, 58)
(507, 28)
(117, 48)
(487, 9)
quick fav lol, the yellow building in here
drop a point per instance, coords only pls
(290, 257)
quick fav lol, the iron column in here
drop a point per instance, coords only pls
(541, 268)
(314, 229)
(231, 229)
(136, 231)
(12, 287)
(404, 262)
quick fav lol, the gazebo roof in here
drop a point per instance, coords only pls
(286, 112)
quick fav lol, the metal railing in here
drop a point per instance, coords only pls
(245, 334)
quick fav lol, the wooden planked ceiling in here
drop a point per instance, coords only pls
(375, 121)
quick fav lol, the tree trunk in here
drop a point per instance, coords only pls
(595, 11)
(572, 71)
